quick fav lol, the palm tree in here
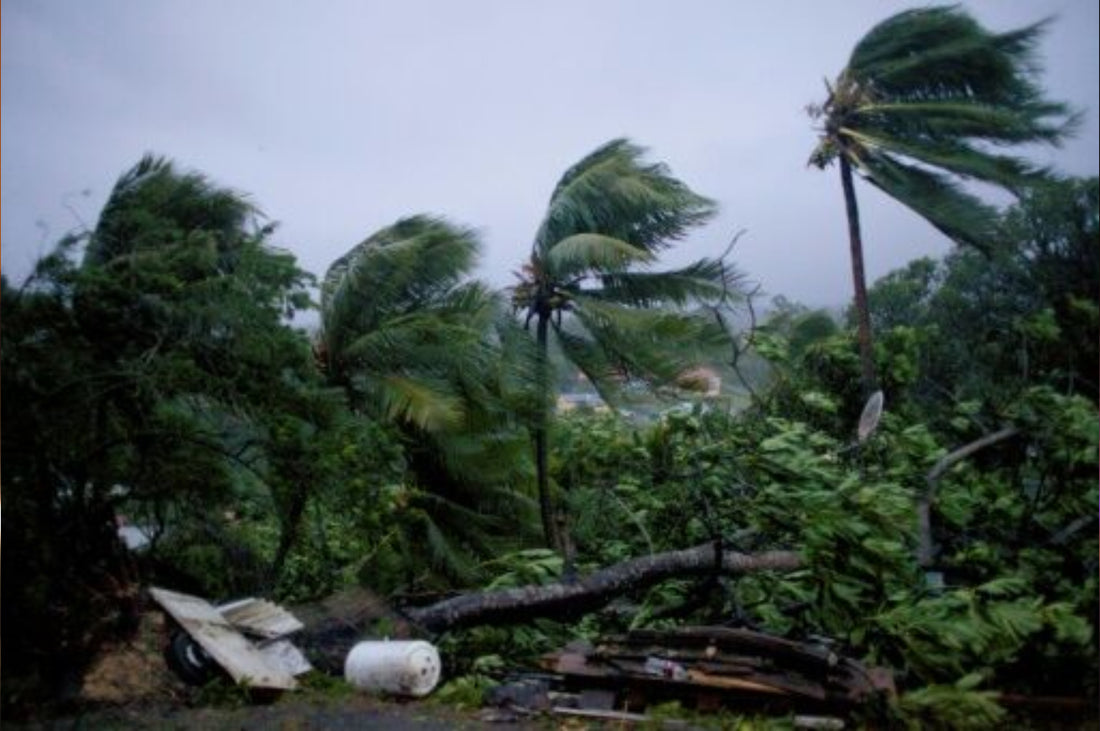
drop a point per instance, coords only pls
(925, 98)
(418, 346)
(590, 285)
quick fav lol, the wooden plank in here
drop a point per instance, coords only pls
(722, 681)
(228, 647)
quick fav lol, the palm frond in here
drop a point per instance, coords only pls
(926, 95)
(930, 53)
(1011, 173)
(588, 252)
(612, 192)
(650, 345)
(700, 281)
(951, 119)
(957, 214)
(409, 265)
(427, 404)
(399, 269)
(582, 350)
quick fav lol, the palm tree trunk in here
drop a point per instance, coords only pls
(288, 534)
(546, 505)
(863, 310)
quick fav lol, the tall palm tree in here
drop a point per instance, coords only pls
(418, 345)
(926, 97)
(590, 286)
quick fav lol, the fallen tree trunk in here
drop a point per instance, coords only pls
(593, 591)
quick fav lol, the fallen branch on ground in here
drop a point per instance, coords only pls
(593, 591)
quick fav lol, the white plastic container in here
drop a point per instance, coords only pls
(399, 667)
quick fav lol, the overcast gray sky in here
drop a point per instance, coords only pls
(340, 117)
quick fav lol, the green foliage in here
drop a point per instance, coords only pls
(974, 628)
(927, 98)
(956, 706)
(326, 686)
(588, 286)
(524, 568)
(468, 691)
(1018, 608)
(158, 378)
(222, 692)
(149, 378)
(416, 346)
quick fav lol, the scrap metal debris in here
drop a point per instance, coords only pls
(712, 666)
(248, 638)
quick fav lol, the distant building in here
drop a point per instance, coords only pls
(704, 381)
(570, 401)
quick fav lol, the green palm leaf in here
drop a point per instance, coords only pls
(611, 192)
(589, 285)
(704, 280)
(585, 253)
(959, 215)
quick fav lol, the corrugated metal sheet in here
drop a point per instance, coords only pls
(244, 662)
(261, 618)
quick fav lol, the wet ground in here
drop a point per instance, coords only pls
(354, 712)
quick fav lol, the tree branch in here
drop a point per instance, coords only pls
(593, 591)
(925, 549)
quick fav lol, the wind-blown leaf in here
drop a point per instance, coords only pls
(153, 205)
(701, 281)
(587, 252)
(613, 193)
(960, 216)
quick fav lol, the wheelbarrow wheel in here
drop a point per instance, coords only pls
(188, 660)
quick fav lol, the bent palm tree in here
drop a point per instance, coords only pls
(589, 284)
(416, 345)
(924, 97)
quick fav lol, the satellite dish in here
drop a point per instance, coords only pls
(868, 420)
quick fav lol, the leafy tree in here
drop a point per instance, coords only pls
(590, 286)
(1055, 230)
(418, 345)
(992, 326)
(143, 378)
(924, 95)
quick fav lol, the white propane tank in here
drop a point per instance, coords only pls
(399, 667)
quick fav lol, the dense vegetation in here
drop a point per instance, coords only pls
(153, 374)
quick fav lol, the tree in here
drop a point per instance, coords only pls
(589, 284)
(992, 325)
(143, 377)
(418, 345)
(1055, 231)
(925, 96)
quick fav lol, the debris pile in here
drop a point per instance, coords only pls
(247, 638)
(709, 667)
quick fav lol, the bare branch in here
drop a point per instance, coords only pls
(925, 549)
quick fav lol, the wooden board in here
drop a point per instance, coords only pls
(228, 647)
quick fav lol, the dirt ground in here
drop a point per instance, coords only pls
(130, 687)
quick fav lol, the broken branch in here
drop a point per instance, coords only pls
(593, 591)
